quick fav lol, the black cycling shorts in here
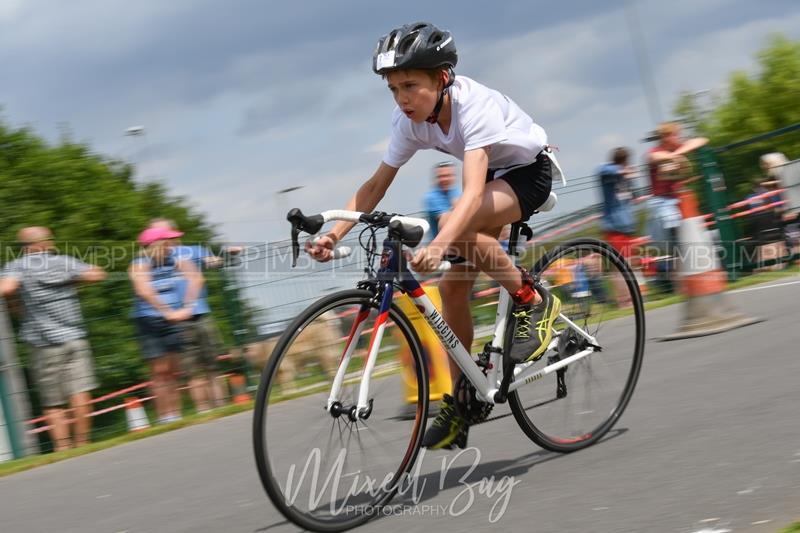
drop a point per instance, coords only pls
(531, 184)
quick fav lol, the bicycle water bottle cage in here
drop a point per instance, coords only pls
(300, 222)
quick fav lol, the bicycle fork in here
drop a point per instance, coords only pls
(363, 407)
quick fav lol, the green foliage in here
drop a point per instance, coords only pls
(95, 210)
(754, 104)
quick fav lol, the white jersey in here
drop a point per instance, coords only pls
(480, 117)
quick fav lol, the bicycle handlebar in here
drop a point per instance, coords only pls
(373, 218)
(410, 229)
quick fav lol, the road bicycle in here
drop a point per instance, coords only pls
(330, 446)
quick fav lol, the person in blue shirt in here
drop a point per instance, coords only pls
(201, 339)
(617, 212)
(440, 199)
(618, 222)
(160, 308)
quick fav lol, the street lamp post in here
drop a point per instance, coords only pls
(136, 131)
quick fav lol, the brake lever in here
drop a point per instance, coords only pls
(295, 245)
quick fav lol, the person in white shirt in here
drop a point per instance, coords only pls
(506, 176)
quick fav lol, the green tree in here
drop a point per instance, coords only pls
(95, 210)
(753, 104)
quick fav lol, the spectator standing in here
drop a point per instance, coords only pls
(201, 336)
(779, 223)
(618, 221)
(441, 198)
(61, 358)
(159, 310)
(668, 167)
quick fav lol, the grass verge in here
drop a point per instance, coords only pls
(26, 463)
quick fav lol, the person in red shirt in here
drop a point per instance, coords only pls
(668, 167)
(667, 161)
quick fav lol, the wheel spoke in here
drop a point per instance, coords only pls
(295, 438)
(589, 278)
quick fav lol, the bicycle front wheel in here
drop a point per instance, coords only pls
(574, 407)
(329, 471)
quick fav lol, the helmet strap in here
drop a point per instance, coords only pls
(433, 117)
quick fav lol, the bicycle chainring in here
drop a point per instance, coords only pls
(467, 403)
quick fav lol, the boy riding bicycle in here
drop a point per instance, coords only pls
(506, 176)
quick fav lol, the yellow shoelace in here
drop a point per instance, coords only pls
(523, 325)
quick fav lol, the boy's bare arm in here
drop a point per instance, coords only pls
(476, 163)
(366, 198)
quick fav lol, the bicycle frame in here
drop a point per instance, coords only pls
(394, 268)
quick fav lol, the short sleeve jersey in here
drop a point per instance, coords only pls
(480, 117)
(48, 289)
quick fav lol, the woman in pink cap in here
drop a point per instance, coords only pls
(158, 310)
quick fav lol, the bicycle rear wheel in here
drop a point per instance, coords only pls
(571, 409)
(326, 472)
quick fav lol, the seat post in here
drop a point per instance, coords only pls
(513, 239)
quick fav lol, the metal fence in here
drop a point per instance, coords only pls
(750, 209)
(259, 293)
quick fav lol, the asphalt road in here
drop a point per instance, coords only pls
(710, 441)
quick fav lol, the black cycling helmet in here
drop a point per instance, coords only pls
(420, 45)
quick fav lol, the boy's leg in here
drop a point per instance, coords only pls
(448, 429)
(534, 310)
(478, 243)
(456, 291)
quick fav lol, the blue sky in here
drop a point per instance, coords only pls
(243, 98)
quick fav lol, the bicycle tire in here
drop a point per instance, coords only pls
(265, 468)
(528, 423)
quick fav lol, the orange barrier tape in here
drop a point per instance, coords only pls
(748, 201)
(34, 421)
(758, 209)
(42, 429)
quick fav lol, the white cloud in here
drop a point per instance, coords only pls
(706, 61)
(586, 117)
(326, 128)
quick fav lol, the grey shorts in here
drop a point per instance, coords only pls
(63, 370)
(201, 344)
